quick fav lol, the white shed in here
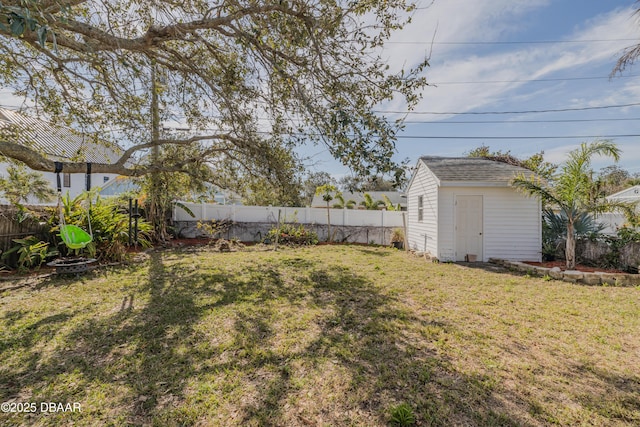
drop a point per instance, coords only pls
(466, 206)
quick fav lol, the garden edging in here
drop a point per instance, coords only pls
(573, 276)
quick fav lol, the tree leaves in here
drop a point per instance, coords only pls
(42, 35)
(20, 20)
(245, 77)
(17, 24)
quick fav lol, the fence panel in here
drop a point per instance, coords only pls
(11, 229)
(611, 221)
(269, 214)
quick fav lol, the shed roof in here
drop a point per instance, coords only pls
(473, 170)
(57, 142)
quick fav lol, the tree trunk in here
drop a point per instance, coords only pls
(570, 249)
(156, 209)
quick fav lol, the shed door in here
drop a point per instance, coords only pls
(468, 227)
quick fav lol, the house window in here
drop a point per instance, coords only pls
(420, 208)
(66, 180)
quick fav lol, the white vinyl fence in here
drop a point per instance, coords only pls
(611, 221)
(269, 214)
(252, 223)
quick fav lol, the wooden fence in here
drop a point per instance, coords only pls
(11, 228)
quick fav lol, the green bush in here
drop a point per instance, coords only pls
(109, 226)
(624, 236)
(32, 253)
(402, 415)
(292, 234)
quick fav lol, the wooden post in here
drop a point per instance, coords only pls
(406, 235)
(382, 238)
(277, 231)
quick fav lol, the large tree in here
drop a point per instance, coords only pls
(249, 80)
(571, 191)
(534, 163)
(355, 183)
(312, 181)
(613, 179)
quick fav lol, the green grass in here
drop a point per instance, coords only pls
(328, 335)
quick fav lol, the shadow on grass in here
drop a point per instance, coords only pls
(156, 354)
(373, 252)
(487, 266)
(205, 343)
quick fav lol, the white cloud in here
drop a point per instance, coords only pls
(461, 20)
(629, 159)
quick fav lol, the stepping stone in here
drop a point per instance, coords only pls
(556, 273)
(572, 275)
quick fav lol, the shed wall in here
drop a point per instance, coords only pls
(512, 226)
(422, 235)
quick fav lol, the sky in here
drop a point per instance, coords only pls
(513, 57)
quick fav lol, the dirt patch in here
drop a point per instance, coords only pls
(191, 242)
(579, 267)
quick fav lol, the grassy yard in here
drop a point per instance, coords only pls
(328, 335)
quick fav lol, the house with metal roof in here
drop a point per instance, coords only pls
(61, 144)
(464, 208)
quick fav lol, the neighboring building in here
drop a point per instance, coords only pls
(126, 184)
(630, 195)
(613, 221)
(62, 145)
(466, 206)
(119, 185)
(395, 197)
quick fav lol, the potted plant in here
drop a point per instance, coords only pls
(397, 238)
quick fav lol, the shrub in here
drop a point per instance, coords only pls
(402, 415)
(292, 234)
(214, 228)
(397, 235)
(32, 253)
(109, 226)
(554, 230)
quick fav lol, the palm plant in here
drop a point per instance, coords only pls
(554, 228)
(571, 191)
(20, 184)
(327, 192)
(342, 204)
(389, 204)
(370, 204)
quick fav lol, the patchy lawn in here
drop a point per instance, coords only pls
(328, 335)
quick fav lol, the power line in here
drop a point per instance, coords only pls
(511, 112)
(511, 42)
(559, 79)
(519, 121)
(521, 137)
(492, 137)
